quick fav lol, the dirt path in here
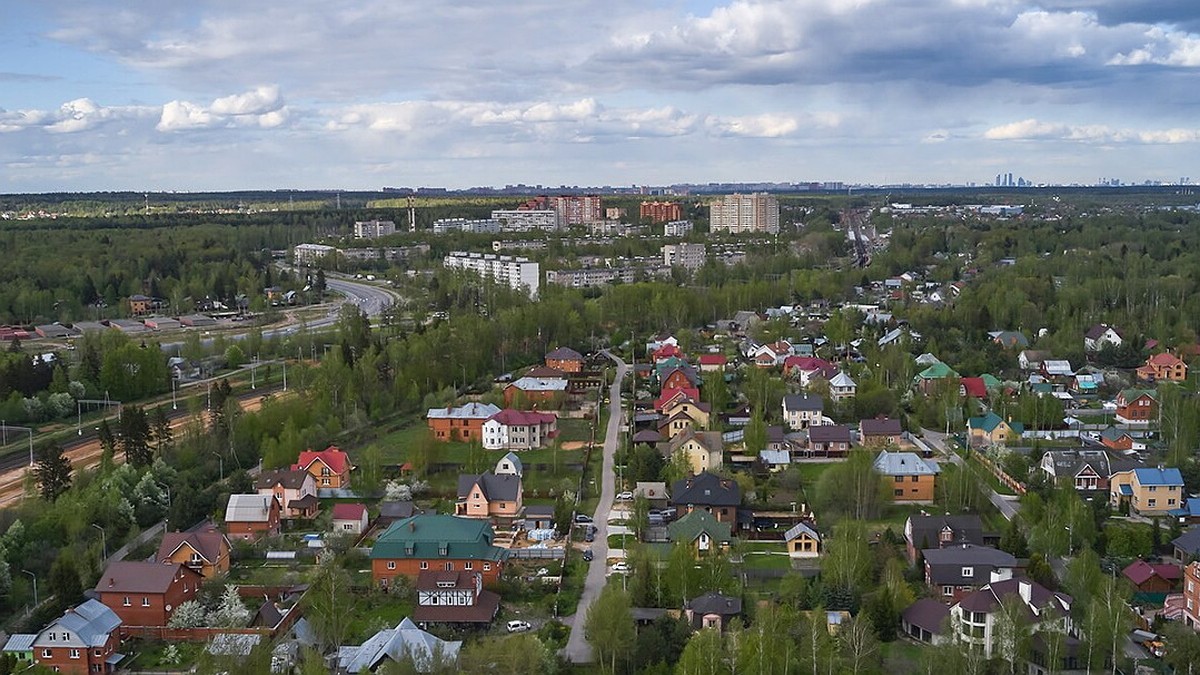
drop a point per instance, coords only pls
(87, 455)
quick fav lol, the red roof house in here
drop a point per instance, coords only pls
(710, 362)
(1153, 578)
(974, 387)
(331, 467)
(350, 518)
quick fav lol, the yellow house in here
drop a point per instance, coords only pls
(703, 449)
(991, 429)
(697, 412)
(803, 541)
(1149, 492)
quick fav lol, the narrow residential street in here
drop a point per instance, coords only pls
(577, 649)
(1008, 506)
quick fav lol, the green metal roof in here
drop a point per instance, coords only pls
(433, 536)
(936, 372)
(691, 525)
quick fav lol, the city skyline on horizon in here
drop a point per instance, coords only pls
(101, 96)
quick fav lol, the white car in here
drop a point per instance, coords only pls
(620, 567)
(624, 496)
(516, 626)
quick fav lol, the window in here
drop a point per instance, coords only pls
(467, 566)
(916, 479)
(391, 564)
(968, 572)
(1170, 502)
(1151, 502)
(947, 590)
(324, 481)
(899, 479)
(898, 492)
(74, 653)
(424, 565)
(45, 653)
(125, 601)
(1152, 488)
(145, 602)
(449, 567)
(487, 567)
(52, 636)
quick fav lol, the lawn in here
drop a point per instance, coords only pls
(150, 655)
(375, 611)
(767, 561)
(901, 656)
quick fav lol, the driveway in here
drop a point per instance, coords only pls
(1006, 505)
(578, 650)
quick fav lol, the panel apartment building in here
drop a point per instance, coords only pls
(579, 210)
(517, 273)
(687, 256)
(373, 229)
(737, 213)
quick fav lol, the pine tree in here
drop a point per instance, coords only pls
(53, 472)
(135, 437)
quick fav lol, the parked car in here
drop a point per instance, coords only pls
(624, 496)
(587, 555)
(590, 536)
(620, 567)
(516, 626)
(582, 518)
(668, 514)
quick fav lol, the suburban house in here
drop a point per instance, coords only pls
(1137, 407)
(773, 354)
(1057, 370)
(1009, 339)
(1191, 595)
(976, 618)
(681, 377)
(654, 492)
(140, 305)
(204, 549)
(926, 620)
(534, 390)
(928, 380)
(509, 464)
(296, 491)
(511, 429)
(712, 363)
(350, 518)
(147, 593)
(712, 610)
(436, 542)
(926, 531)
(1119, 439)
(842, 387)
(1187, 546)
(1100, 336)
(700, 532)
(698, 412)
(251, 516)
(704, 449)
(405, 642)
(454, 598)
(668, 397)
(330, 467)
(1087, 470)
(83, 640)
(464, 423)
(565, 359)
(19, 648)
(808, 369)
(800, 411)
(956, 571)
(1153, 577)
(1165, 367)
(909, 477)
(661, 340)
(827, 440)
(708, 492)
(803, 541)
(880, 431)
(991, 429)
(972, 387)
(1031, 359)
(1149, 492)
(489, 495)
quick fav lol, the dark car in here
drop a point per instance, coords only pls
(587, 555)
(590, 536)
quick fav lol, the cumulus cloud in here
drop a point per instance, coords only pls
(1034, 130)
(262, 107)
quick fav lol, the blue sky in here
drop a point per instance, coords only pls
(142, 95)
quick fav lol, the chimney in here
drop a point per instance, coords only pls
(412, 525)
(1025, 588)
(111, 582)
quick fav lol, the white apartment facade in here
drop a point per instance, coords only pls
(304, 255)
(373, 229)
(688, 256)
(478, 226)
(526, 220)
(677, 228)
(516, 273)
(738, 213)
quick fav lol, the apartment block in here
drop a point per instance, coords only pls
(578, 210)
(678, 228)
(525, 220)
(687, 256)
(477, 226)
(660, 212)
(517, 273)
(738, 213)
(373, 229)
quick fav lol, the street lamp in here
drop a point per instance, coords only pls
(35, 593)
(103, 540)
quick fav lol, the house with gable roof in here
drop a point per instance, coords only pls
(203, 548)
(925, 531)
(565, 359)
(708, 492)
(808, 369)
(83, 640)
(991, 429)
(295, 489)
(352, 518)
(404, 643)
(704, 449)
(953, 572)
(251, 516)
(489, 495)
(1164, 367)
(330, 467)
(1137, 407)
(1087, 470)
(827, 440)
(512, 429)
(464, 423)
(146, 593)
(976, 618)
(1149, 492)
(1153, 577)
(712, 610)
(880, 431)
(456, 598)
(801, 411)
(534, 390)
(803, 541)
(927, 380)
(700, 532)
(909, 477)
(1100, 336)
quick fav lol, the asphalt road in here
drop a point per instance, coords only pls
(578, 650)
(1007, 506)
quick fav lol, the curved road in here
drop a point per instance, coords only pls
(578, 650)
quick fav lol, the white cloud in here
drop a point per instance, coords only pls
(262, 107)
(1034, 130)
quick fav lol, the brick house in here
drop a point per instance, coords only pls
(296, 491)
(436, 542)
(83, 640)
(534, 390)
(1153, 577)
(708, 492)
(1165, 367)
(1137, 407)
(251, 516)
(565, 359)
(454, 598)
(147, 593)
(140, 305)
(909, 478)
(511, 429)
(464, 423)
(880, 431)
(489, 495)
(1191, 595)
(204, 549)
(350, 518)
(828, 440)
(330, 467)
(955, 572)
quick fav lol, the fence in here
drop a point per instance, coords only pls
(1012, 483)
(145, 536)
(537, 553)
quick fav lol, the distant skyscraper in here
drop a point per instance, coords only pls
(660, 212)
(997, 180)
(578, 210)
(737, 213)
